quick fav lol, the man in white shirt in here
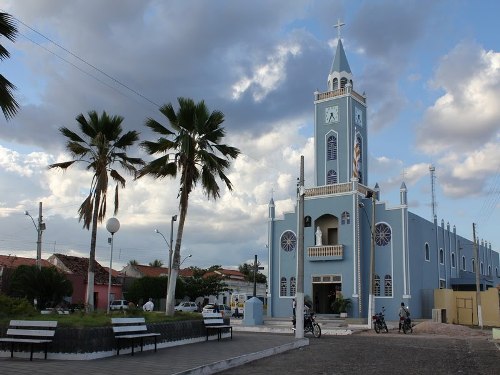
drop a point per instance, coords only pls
(149, 306)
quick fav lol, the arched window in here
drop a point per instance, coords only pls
(335, 85)
(453, 260)
(343, 82)
(331, 177)
(283, 287)
(292, 286)
(331, 146)
(481, 268)
(345, 218)
(427, 252)
(388, 286)
(441, 256)
(464, 268)
(489, 270)
(473, 262)
(377, 284)
(288, 241)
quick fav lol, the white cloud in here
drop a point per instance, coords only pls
(267, 76)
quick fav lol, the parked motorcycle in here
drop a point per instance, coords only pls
(379, 321)
(310, 325)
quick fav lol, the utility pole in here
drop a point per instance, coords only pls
(39, 240)
(255, 270)
(477, 269)
(299, 297)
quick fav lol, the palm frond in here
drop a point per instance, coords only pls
(117, 177)
(157, 127)
(127, 140)
(62, 165)
(86, 210)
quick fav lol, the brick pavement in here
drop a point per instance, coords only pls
(199, 358)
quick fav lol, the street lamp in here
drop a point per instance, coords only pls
(371, 294)
(189, 256)
(112, 226)
(39, 229)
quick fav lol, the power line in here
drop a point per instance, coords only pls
(83, 61)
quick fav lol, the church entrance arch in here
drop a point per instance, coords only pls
(325, 289)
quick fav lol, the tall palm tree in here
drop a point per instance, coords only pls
(8, 104)
(101, 146)
(198, 156)
(156, 263)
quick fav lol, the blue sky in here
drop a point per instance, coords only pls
(430, 70)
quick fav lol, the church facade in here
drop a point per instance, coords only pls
(342, 215)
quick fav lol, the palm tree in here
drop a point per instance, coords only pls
(7, 102)
(198, 157)
(101, 146)
(156, 263)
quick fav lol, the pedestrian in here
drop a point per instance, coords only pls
(403, 315)
(294, 305)
(149, 306)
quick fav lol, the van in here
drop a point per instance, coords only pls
(118, 304)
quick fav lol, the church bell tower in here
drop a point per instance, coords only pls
(340, 126)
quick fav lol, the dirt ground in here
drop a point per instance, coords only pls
(444, 329)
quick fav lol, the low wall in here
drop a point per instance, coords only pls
(98, 342)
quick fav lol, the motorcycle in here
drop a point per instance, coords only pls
(310, 325)
(406, 324)
(379, 321)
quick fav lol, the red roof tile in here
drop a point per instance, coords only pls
(13, 261)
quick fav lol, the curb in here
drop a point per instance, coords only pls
(215, 367)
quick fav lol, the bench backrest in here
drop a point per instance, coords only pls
(213, 319)
(32, 328)
(123, 326)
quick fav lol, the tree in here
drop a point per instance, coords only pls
(8, 103)
(248, 270)
(156, 263)
(102, 146)
(198, 156)
(133, 262)
(199, 285)
(47, 285)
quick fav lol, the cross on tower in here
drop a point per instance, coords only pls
(338, 26)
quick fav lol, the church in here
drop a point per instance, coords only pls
(350, 233)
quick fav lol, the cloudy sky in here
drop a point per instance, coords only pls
(430, 70)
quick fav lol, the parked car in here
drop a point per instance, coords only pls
(118, 304)
(224, 309)
(186, 306)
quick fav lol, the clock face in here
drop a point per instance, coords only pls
(358, 116)
(332, 114)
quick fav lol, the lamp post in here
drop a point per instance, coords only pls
(112, 226)
(39, 228)
(371, 294)
(189, 256)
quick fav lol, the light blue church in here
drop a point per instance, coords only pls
(412, 256)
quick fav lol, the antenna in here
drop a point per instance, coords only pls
(432, 169)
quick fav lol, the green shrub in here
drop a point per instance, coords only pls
(19, 307)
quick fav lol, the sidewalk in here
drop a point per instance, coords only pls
(199, 358)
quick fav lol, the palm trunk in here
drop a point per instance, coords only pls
(174, 272)
(91, 270)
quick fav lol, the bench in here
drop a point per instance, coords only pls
(214, 321)
(131, 329)
(31, 332)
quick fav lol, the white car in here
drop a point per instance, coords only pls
(186, 306)
(119, 304)
(224, 309)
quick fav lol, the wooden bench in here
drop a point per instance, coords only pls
(214, 321)
(131, 329)
(31, 332)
